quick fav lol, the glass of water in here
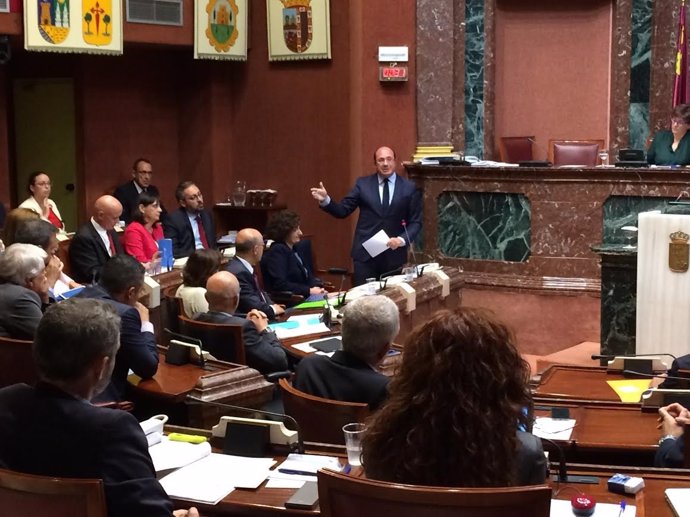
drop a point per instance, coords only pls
(604, 157)
(239, 193)
(353, 442)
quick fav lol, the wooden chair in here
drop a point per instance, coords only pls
(16, 362)
(575, 152)
(515, 149)
(223, 341)
(341, 495)
(29, 495)
(320, 420)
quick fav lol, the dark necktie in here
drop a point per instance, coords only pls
(202, 233)
(258, 288)
(304, 269)
(386, 194)
(113, 251)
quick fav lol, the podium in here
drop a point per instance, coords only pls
(663, 295)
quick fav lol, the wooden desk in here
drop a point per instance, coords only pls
(218, 382)
(586, 383)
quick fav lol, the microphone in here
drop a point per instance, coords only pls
(562, 476)
(343, 273)
(409, 241)
(660, 376)
(611, 357)
(283, 417)
(383, 278)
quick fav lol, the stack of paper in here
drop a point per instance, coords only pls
(212, 478)
(298, 468)
(301, 325)
(553, 428)
(679, 500)
(169, 454)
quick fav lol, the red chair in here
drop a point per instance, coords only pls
(516, 149)
(575, 152)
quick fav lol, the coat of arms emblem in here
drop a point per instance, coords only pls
(297, 24)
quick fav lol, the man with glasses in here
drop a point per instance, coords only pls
(190, 227)
(386, 202)
(128, 194)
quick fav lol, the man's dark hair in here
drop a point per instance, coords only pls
(36, 232)
(139, 160)
(179, 191)
(71, 335)
(120, 273)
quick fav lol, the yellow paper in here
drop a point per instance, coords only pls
(630, 390)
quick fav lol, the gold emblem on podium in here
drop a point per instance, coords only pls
(678, 252)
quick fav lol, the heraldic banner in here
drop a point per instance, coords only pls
(220, 29)
(82, 26)
(298, 29)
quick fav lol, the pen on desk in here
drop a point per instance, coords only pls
(622, 509)
(297, 472)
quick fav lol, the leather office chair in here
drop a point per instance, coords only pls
(223, 341)
(16, 362)
(28, 495)
(515, 149)
(320, 420)
(171, 308)
(575, 152)
(341, 495)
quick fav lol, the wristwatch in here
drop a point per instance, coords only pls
(667, 437)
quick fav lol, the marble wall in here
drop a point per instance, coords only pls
(640, 72)
(474, 77)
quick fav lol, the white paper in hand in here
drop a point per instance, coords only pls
(377, 244)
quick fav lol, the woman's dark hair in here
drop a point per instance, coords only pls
(145, 199)
(32, 179)
(200, 266)
(454, 406)
(682, 111)
(281, 224)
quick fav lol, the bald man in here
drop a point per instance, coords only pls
(249, 248)
(262, 348)
(96, 241)
(386, 202)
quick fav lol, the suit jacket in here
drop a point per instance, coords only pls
(250, 296)
(341, 377)
(128, 196)
(682, 363)
(531, 462)
(45, 431)
(671, 453)
(264, 351)
(20, 311)
(178, 228)
(87, 253)
(282, 271)
(137, 351)
(139, 243)
(406, 204)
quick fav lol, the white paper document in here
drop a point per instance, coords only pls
(297, 326)
(553, 428)
(298, 468)
(169, 454)
(377, 244)
(563, 508)
(209, 480)
(679, 500)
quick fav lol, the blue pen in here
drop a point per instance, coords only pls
(297, 472)
(622, 509)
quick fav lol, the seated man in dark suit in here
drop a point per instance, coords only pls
(190, 226)
(369, 326)
(96, 241)
(262, 348)
(128, 194)
(249, 248)
(121, 280)
(671, 451)
(681, 363)
(52, 429)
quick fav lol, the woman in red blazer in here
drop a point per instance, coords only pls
(141, 236)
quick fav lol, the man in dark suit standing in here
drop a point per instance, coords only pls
(249, 248)
(369, 326)
(121, 280)
(190, 226)
(262, 348)
(53, 430)
(96, 241)
(128, 194)
(386, 202)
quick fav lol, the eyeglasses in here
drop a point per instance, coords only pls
(678, 121)
(194, 197)
(43, 184)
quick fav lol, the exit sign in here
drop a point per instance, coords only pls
(392, 73)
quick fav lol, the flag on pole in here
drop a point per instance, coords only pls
(680, 91)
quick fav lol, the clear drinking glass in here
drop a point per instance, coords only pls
(353, 443)
(604, 157)
(239, 193)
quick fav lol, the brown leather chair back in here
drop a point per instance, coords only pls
(320, 420)
(16, 362)
(28, 495)
(341, 495)
(575, 152)
(515, 149)
(171, 308)
(223, 341)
